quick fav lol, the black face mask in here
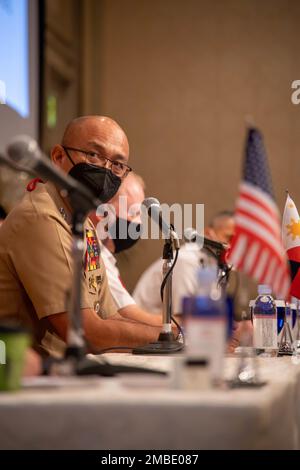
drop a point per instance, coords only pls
(121, 227)
(101, 181)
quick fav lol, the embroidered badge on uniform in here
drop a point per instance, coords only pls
(92, 254)
(92, 284)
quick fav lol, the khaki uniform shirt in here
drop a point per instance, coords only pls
(36, 265)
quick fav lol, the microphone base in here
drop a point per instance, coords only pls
(160, 347)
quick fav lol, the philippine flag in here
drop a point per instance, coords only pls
(291, 242)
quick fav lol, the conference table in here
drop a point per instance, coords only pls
(146, 411)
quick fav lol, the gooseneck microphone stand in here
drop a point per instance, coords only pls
(75, 339)
(75, 361)
(224, 269)
(166, 343)
(215, 249)
(166, 333)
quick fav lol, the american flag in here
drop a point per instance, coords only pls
(257, 247)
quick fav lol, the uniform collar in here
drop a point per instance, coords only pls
(59, 202)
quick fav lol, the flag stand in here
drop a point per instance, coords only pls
(286, 341)
(297, 340)
(247, 371)
(247, 374)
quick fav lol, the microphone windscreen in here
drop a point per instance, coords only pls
(190, 234)
(150, 201)
(24, 150)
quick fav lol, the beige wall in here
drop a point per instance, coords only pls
(62, 60)
(180, 76)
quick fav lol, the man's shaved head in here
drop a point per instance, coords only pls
(81, 127)
(222, 227)
(99, 134)
(220, 218)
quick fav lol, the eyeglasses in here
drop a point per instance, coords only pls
(118, 168)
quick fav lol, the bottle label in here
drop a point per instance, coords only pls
(265, 332)
(294, 317)
(280, 319)
(206, 340)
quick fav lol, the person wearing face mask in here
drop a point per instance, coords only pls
(36, 264)
(119, 231)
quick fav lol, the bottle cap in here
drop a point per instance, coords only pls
(294, 300)
(264, 289)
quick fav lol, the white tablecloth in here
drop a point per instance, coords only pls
(144, 413)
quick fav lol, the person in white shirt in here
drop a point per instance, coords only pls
(184, 283)
(120, 294)
(147, 290)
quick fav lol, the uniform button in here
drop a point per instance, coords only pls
(63, 213)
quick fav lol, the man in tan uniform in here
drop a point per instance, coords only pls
(36, 242)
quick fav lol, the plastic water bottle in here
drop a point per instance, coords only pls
(205, 323)
(265, 321)
(296, 344)
(293, 317)
(281, 312)
(280, 307)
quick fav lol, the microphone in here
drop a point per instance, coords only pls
(154, 212)
(191, 235)
(166, 342)
(25, 153)
(4, 160)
